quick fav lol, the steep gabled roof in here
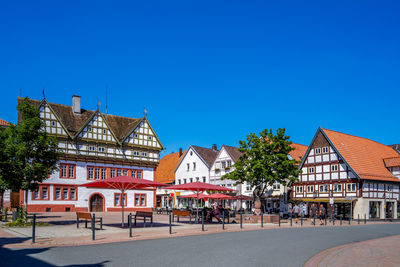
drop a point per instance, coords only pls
(298, 152)
(233, 152)
(73, 122)
(165, 172)
(4, 123)
(365, 156)
(207, 154)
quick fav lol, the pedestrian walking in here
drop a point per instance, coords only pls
(295, 212)
(322, 213)
(313, 212)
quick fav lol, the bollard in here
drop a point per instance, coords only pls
(77, 222)
(241, 219)
(130, 224)
(202, 220)
(6, 216)
(33, 228)
(314, 219)
(279, 219)
(325, 219)
(333, 220)
(101, 223)
(290, 219)
(365, 218)
(341, 218)
(93, 227)
(349, 220)
(170, 223)
(301, 219)
(262, 220)
(223, 220)
(358, 218)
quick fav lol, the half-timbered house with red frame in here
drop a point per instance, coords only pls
(95, 146)
(339, 168)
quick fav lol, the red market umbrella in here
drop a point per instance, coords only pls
(123, 183)
(198, 187)
(194, 196)
(241, 198)
(219, 196)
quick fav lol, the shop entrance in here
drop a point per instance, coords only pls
(374, 209)
(389, 210)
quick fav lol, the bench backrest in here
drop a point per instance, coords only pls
(144, 213)
(84, 215)
(181, 212)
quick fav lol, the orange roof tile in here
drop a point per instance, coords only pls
(392, 162)
(298, 152)
(4, 123)
(165, 172)
(365, 156)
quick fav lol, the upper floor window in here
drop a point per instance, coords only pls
(104, 131)
(112, 173)
(325, 149)
(101, 149)
(337, 188)
(351, 187)
(53, 123)
(136, 153)
(45, 191)
(229, 163)
(89, 128)
(223, 164)
(139, 174)
(144, 154)
(276, 186)
(179, 181)
(150, 137)
(188, 167)
(334, 168)
(204, 179)
(92, 148)
(248, 186)
(194, 166)
(311, 170)
(67, 171)
(390, 188)
(310, 189)
(97, 173)
(184, 181)
(190, 180)
(118, 172)
(318, 150)
(324, 188)
(197, 179)
(103, 173)
(90, 173)
(299, 189)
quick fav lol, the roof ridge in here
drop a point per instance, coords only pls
(355, 136)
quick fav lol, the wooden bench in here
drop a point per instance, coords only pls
(144, 215)
(179, 213)
(87, 217)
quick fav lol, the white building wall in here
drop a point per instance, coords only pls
(201, 171)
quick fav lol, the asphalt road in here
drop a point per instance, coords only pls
(271, 247)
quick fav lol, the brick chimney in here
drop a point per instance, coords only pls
(214, 147)
(76, 104)
(180, 152)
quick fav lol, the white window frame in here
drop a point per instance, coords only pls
(317, 150)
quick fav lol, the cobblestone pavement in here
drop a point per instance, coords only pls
(377, 252)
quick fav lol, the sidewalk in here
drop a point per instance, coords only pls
(376, 252)
(63, 231)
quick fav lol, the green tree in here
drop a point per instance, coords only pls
(264, 161)
(30, 154)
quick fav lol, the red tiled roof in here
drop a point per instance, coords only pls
(4, 123)
(392, 162)
(165, 172)
(365, 156)
(233, 152)
(298, 152)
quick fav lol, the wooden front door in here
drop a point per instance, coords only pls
(96, 203)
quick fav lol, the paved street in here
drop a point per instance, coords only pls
(271, 247)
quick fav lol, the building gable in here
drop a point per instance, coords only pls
(144, 135)
(97, 129)
(323, 162)
(53, 124)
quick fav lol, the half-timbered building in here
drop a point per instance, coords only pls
(95, 146)
(339, 169)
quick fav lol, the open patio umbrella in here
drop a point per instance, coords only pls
(198, 187)
(123, 183)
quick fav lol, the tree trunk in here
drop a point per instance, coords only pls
(257, 202)
(2, 200)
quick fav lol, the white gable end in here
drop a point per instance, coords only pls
(143, 135)
(52, 125)
(97, 130)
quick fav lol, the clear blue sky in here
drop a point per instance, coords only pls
(211, 71)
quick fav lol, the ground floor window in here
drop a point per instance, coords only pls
(140, 199)
(118, 199)
(64, 193)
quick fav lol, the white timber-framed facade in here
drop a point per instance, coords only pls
(95, 146)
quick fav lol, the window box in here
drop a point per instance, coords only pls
(217, 170)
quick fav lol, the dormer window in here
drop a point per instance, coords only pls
(149, 137)
(318, 150)
(325, 149)
(104, 131)
(89, 128)
(53, 123)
